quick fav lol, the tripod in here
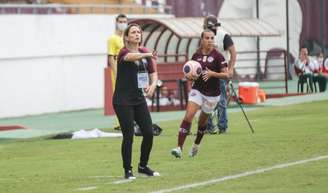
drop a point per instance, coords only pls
(216, 118)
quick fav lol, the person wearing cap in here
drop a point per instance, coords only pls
(226, 47)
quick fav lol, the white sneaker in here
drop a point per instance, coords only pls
(176, 152)
(194, 150)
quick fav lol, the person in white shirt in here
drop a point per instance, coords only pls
(319, 75)
(305, 67)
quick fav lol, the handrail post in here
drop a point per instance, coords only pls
(286, 70)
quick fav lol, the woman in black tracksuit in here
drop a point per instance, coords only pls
(135, 68)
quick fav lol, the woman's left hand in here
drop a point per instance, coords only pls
(150, 90)
(207, 74)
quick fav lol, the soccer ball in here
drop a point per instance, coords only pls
(192, 69)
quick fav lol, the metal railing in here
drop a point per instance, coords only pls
(266, 68)
(83, 9)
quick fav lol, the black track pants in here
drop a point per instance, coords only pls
(126, 116)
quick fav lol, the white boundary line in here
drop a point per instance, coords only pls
(248, 173)
(103, 176)
(86, 188)
(123, 181)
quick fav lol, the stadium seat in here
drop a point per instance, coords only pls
(303, 79)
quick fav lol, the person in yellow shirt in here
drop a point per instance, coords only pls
(114, 45)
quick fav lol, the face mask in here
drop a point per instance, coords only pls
(122, 26)
(320, 60)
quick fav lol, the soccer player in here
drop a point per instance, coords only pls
(225, 45)
(135, 70)
(205, 92)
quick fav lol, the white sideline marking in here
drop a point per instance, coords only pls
(248, 173)
(129, 180)
(103, 176)
(87, 188)
(122, 181)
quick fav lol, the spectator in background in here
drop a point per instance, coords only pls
(324, 68)
(136, 78)
(165, 97)
(318, 73)
(114, 44)
(305, 68)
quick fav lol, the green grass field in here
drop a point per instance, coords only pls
(282, 135)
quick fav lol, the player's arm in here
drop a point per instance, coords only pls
(153, 81)
(224, 70)
(131, 57)
(229, 45)
(112, 62)
(152, 69)
(224, 74)
(232, 60)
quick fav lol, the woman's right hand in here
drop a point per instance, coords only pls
(154, 55)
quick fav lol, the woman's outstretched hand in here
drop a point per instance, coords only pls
(150, 90)
(154, 55)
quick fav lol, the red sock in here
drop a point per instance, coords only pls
(200, 134)
(184, 130)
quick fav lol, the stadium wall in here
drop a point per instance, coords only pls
(52, 63)
(273, 12)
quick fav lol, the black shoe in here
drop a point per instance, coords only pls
(147, 171)
(222, 131)
(129, 175)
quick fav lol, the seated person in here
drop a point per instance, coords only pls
(164, 97)
(304, 68)
(324, 68)
(319, 74)
(168, 97)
